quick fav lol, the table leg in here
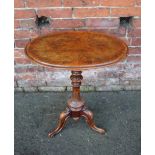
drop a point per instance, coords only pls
(76, 107)
(88, 115)
(61, 123)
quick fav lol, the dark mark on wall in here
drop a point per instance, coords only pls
(126, 21)
(42, 21)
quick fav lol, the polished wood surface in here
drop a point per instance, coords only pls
(76, 50)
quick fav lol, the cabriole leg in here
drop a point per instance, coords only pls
(88, 115)
(61, 123)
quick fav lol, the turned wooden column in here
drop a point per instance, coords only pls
(76, 103)
(76, 78)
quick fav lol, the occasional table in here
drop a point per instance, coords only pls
(76, 51)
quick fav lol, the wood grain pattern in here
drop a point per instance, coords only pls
(76, 50)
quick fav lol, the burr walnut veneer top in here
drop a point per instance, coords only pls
(74, 50)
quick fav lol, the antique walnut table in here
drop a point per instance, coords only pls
(76, 51)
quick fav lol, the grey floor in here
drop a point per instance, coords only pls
(118, 112)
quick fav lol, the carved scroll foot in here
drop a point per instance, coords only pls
(61, 123)
(88, 115)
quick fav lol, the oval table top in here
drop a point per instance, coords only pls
(76, 50)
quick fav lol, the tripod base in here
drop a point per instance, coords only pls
(76, 108)
(87, 114)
